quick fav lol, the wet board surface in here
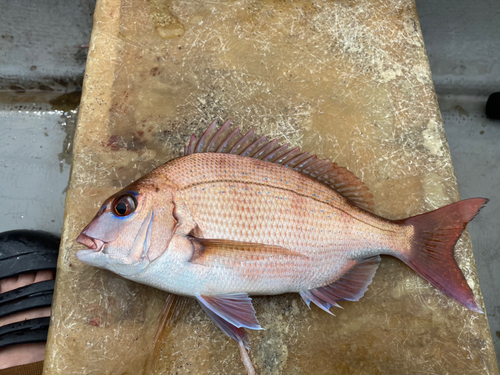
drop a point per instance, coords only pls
(348, 80)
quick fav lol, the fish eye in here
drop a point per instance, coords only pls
(124, 205)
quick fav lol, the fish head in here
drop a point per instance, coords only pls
(131, 229)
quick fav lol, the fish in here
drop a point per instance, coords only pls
(240, 216)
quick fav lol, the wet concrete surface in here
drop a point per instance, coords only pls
(34, 167)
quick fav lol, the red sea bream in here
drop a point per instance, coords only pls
(239, 216)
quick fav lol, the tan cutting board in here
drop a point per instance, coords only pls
(348, 80)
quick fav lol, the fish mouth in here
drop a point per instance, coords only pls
(92, 243)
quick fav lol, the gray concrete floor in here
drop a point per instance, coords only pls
(34, 169)
(41, 70)
(40, 44)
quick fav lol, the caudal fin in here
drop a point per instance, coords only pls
(432, 246)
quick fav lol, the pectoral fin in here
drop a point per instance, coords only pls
(226, 253)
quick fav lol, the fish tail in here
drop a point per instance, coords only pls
(431, 246)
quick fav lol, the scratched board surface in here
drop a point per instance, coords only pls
(348, 80)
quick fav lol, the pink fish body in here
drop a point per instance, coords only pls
(311, 234)
(240, 216)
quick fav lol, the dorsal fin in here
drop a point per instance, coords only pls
(251, 145)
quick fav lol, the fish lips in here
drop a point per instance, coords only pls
(95, 255)
(92, 243)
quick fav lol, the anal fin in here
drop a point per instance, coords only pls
(350, 287)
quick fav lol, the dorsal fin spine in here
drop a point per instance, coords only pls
(206, 137)
(254, 145)
(242, 143)
(221, 133)
(292, 163)
(270, 147)
(226, 144)
(192, 145)
(275, 154)
(306, 162)
(312, 167)
(289, 155)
